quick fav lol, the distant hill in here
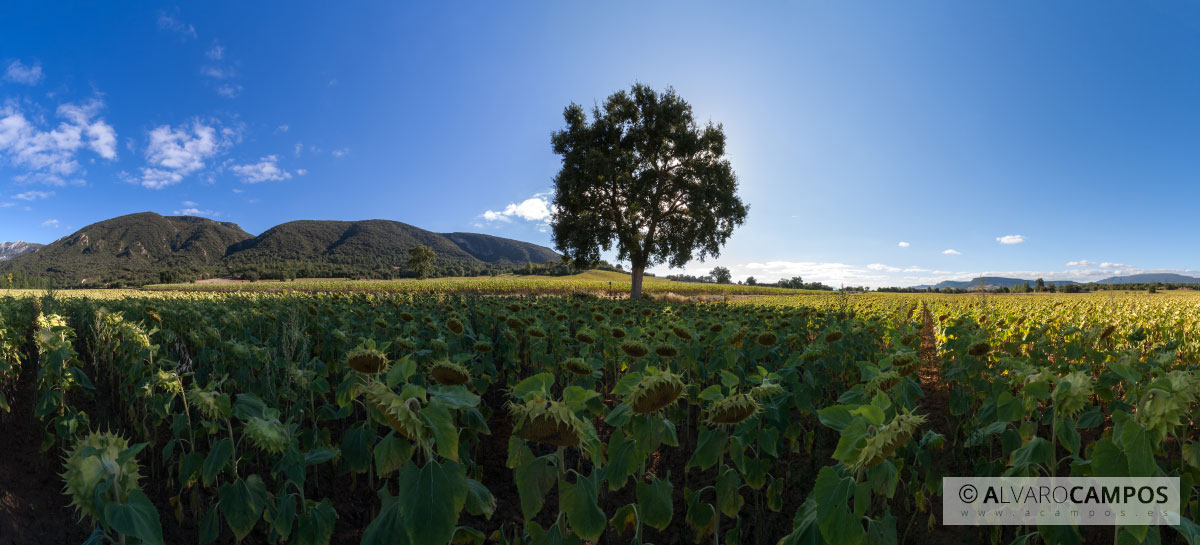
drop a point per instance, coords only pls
(1150, 278)
(133, 249)
(146, 247)
(9, 250)
(991, 282)
(343, 247)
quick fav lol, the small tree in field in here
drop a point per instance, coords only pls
(721, 275)
(420, 260)
(642, 176)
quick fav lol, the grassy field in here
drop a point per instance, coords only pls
(596, 282)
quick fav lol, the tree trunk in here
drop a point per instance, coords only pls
(635, 292)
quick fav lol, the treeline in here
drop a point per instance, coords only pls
(1150, 287)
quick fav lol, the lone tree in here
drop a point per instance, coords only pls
(420, 260)
(642, 176)
(721, 275)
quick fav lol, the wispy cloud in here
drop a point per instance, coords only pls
(265, 170)
(339, 153)
(216, 52)
(196, 212)
(951, 252)
(33, 195)
(1010, 239)
(50, 156)
(229, 90)
(882, 267)
(170, 22)
(50, 223)
(175, 153)
(282, 128)
(18, 72)
(903, 244)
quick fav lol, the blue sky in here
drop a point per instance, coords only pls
(870, 140)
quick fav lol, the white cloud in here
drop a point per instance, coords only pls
(265, 170)
(1082, 263)
(175, 153)
(951, 252)
(33, 195)
(301, 171)
(238, 191)
(535, 208)
(903, 244)
(172, 23)
(27, 75)
(339, 153)
(196, 212)
(1107, 265)
(332, 82)
(299, 148)
(282, 128)
(1010, 239)
(230, 90)
(216, 52)
(189, 203)
(50, 223)
(217, 72)
(50, 156)
(882, 267)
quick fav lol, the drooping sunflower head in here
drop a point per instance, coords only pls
(96, 458)
(732, 410)
(666, 350)
(368, 361)
(213, 404)
(634, 349)
(483, 347)
(536, 332)
(882, 382)
(681, 332)
(833, 336)
(1071, 393)
(881, 444)
(548, 422)
(979, 348)
(657, 390)
(766, 389)
(767, 339)
(269, 435)
(577, 366)
(449, 373)
(455, 326)
(400, 413)
(586, 337)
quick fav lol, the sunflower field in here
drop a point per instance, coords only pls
(435, 418)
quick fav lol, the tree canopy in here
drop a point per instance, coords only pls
(420, 260)
(641, 176)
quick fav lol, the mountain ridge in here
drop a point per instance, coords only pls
(147, 247)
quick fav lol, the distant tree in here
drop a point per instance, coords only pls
(1026, 288)
(420, 260)
(643, 176)
(1153, 289)
(721, 275)
(751, 281)
(251, 276)
(1041, 285)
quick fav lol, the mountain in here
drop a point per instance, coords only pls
(492, 249)
(146, 247)
(1149, 278)
(9, 250)
(991, 282)
(365, 248)
(132, 249)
